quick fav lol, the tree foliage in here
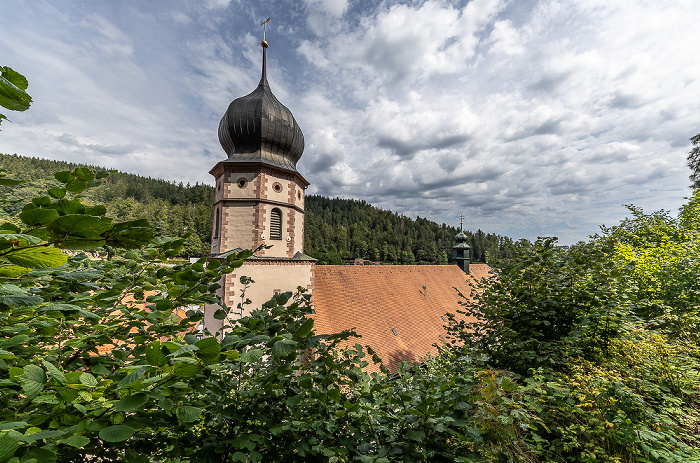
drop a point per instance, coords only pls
(99, 361)
(336, 231)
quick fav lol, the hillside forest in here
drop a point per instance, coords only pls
(337, 230)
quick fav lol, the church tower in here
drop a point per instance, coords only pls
(259, 201)
(259, 192)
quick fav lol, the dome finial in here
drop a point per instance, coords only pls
(263, 44)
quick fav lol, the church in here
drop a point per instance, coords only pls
(398, 310)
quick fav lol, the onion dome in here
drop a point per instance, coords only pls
(258, 128)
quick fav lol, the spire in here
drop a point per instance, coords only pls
(263, 79)
(263, 44)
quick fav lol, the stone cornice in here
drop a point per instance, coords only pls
(232, 166)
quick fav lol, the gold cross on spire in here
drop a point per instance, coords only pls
(264, 25)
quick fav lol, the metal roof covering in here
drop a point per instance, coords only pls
(258, 128)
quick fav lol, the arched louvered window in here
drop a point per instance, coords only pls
(276, 224)
(217, 220)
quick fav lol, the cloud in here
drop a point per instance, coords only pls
(70, 140)
(528, 117)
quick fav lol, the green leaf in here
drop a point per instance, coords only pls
(131, 403)
(130, 235)
(17, 299)
(80, 275)
(88, 380)
(13, 425)
(208, 347)
(415, 435)
(96, 210)
(69, 206)
(76, 441)
(334, 394)
(41, 257)
(55, 372)
(80, 226)
(132, 377)
(69, 309)
(77, 186)
(251, 356)
(40, 455)
(155, 355)
(9, 227)
(116, 433)
(33, 380)
(186, 368)
(35, 217)
(188, 414)
(42, 435)
(6, 354)
(17, 79)
(304, 329)
(14, 341)
(41, 201)
(284, 347)
(12, 97)
(58, 193)
(8, 446)
(64, 176)
(13, 271)
(22, 238)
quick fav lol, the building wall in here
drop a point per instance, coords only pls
(269, 277)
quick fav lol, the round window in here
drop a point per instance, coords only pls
(277, 187)
(242, 182)
(298, 194)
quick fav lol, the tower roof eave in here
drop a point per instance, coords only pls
(221, 165)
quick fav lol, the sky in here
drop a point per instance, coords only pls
(531, 118)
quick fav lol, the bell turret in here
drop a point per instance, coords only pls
(460, 252)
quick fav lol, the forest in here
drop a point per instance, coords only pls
(337, 230)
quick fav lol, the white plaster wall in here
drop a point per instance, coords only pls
(268, 279)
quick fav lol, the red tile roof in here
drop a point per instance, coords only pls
(374, 299)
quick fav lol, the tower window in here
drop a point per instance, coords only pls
(217, 219)
(242, 182)
(276, 224)
(277, 187)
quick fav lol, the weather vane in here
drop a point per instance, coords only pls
(264, 25)
(461, 221)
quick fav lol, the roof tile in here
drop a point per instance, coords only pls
(373, 299)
